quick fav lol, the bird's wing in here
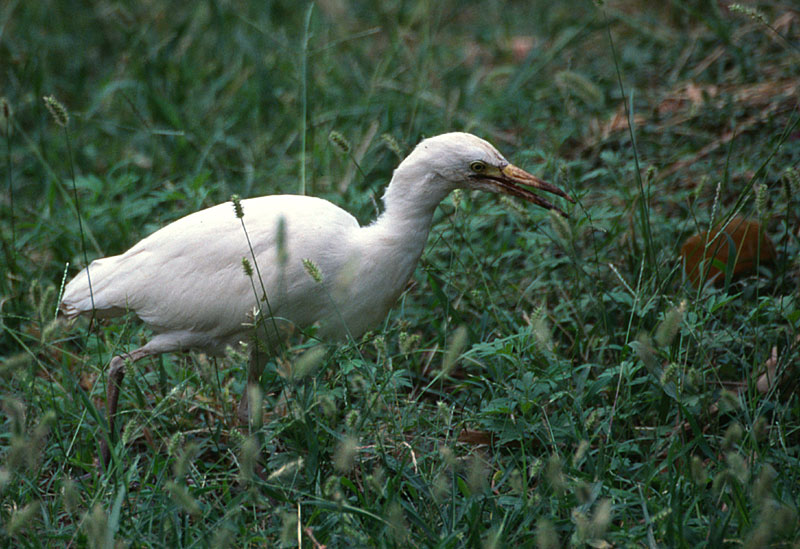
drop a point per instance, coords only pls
(188, 276)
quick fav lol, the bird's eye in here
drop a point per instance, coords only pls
(478, 166)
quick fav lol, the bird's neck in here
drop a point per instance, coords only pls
(396, 239)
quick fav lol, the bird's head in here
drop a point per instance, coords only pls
(462, 160)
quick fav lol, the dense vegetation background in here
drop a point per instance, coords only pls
(540, 383)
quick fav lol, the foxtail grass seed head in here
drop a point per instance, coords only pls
(762, 487)
(15, 410)
(580, 452)
(670, 374)
(541, 329)
(733, 434)
(749, 11)
(15, 363)
(22, 518)
(181, 496)
(344, 456)
(94, 525)
(397, 523)
(457, 197)
(339, 141)
(760, 428)
(729, 402)
(546, 536)
(308, 362)
(247, 267)
(792, 178)
(698, 472)
(57, 110)
(737, 466)
(174, 443)
(248, 456)
(761, 200)
(448, 456)
(554, 475)
(238, 209)
(716, 202)
(280, 239)
(579, 86)
(288, 536)
(312, 270)
(287, 470)
(601, 518)
(132, 431)
(645, 351)
(668, 328)
(331, 488)
(51, 331)
(477, 475)
(513, 205)
(70, 496)
(352, 420)
(392, 144)
(254, 405)
(457, 343)
(561, 227)
(408, 342)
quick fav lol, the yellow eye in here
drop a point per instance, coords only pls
(478, 166)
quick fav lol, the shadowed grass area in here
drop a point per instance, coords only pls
(541, 382)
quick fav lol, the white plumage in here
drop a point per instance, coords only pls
(187, 283)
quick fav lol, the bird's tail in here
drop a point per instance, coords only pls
(86, 293)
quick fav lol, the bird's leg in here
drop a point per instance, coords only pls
(116, 373)
(255, 367)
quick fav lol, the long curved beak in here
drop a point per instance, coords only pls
(509, 179)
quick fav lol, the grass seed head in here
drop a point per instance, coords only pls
(280, 239)
(247, 267)
(181, 496)
(761, 200)
(308, 362)
(733, 434)
(237, 206)
(762, 487)
(70, 496)
(457, 343)
(339, 141)
(393, 145)
(344, 456)
(23, 518)
(313, 270)
(57, 110)
(546, 536)
(94, 525)
(247, 459)
(698, 471)
(749, 11)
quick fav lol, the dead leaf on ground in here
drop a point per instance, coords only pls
(706, 255)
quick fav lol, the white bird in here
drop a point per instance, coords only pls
(186, 280)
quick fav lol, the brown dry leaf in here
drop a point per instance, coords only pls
(475, 437)
(752, 246)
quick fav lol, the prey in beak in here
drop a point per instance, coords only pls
(507, 180)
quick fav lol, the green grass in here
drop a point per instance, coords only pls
(540, 383)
